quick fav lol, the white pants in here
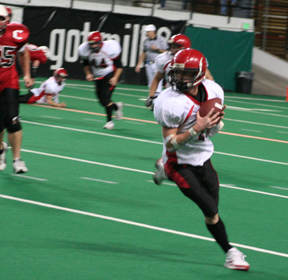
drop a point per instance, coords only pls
(151, 70)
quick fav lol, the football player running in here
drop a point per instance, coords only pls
(176, 42)
(187, 147)
(102, 63)
(13, 41)
(48, 92)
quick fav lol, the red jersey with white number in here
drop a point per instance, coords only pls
(36, 54)
(101, 63)
(13, 40)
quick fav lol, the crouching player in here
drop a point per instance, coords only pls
(48, 93)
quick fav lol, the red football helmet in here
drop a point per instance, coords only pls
(4, 20)
(9, 11)
(95, 41)
(178, 42)
(61, 72)
(188, 68)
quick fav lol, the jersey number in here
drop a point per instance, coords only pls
(7, 56)
(102, 64)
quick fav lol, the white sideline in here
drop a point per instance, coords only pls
(138, 224)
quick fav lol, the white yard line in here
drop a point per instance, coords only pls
(29, 177)
(123, 221)
(98, 180)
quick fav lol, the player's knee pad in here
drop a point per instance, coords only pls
(14, 126)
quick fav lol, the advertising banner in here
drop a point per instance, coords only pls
(63, 30)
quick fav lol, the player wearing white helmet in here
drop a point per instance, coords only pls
(102, 64)
(187, 147)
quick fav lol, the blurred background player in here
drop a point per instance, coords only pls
(176, 42)
(49, 91)
(9, 87)
(38, 55)
(153, 46)
(9, 14)
(162, 61)
(101, 62)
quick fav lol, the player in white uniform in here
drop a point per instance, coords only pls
(48, 93)
(187, 147)
(102, 63)
(176, 42)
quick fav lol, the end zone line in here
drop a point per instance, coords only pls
(137, 224)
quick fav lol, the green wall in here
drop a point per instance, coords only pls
(227, 52)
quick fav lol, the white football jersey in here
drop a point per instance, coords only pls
(49, 87)
(163, 62)
(173, 109)
(101, 63)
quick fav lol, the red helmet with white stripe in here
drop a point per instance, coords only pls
(188, 68)
(181, 40)
(61, 72)
(9, 11)
(95, 41)
(178, 42)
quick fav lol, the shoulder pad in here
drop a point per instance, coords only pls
(20, 33)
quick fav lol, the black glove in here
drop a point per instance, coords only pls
(149, 101)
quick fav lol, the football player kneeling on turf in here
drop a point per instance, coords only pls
(49, 91)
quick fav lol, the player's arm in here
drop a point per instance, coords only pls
(140, 62)
(209, 75)
(119, 69)
(174, 140)
(155, 82)
(214, 130)
(52, 103)
(87, 69)
(24, 61)
(34, 69)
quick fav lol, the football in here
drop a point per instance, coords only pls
(209, 104)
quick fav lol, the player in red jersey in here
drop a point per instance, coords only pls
(38, 55)
(13, 40)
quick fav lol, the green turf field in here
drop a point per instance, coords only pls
(88, 208)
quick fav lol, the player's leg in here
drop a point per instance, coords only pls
(190, 181)
(104, 92)
(14, 129)
(3, 150)
(112, 106)
(27, 98)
